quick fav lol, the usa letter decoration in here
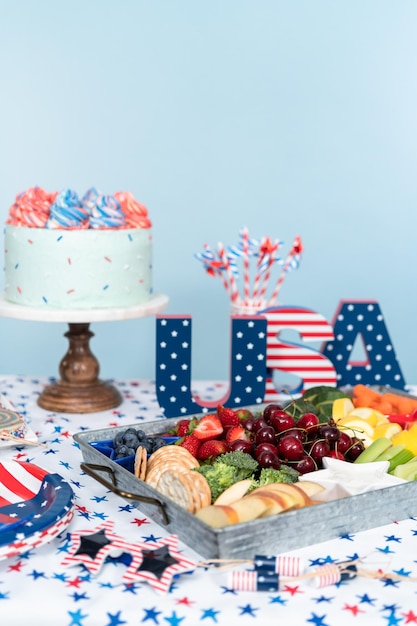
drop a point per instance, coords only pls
(363, 320)
(309, 366)
(259, 349)
(173, 365)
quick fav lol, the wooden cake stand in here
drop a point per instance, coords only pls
(79, 390)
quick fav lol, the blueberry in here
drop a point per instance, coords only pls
(147, 445)
(130, 431)
(121, 450)
(131, 441)
(157, 442)
(118, 439)
(141, 435)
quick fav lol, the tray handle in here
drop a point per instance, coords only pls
(91, 468)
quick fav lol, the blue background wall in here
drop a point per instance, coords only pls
(285, 117)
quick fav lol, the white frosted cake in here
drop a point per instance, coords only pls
(66, 253)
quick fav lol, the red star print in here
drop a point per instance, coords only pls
(355, 609)
(75, 582)
(185, 601)
(83, 509)
(18, 456)
(292, 590)
(66, 434)
(140, 522)
(17, 567)
(410, 617)
(113, 424)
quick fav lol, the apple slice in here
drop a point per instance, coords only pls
(275, 502)
(291, 502)
(299, 496)
(249, 508)
(310, 487)
(217, 516)
(234, 492)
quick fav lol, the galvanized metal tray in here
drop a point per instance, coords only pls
(273, 535)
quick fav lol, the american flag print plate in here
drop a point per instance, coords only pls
(35, 506)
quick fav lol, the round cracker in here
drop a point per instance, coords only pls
(171, 462)
(140, 464)
(154, 473)
(178, 488)
(203, 489)
(171, 451)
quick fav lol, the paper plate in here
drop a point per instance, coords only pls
(14, 424)
(35, 507)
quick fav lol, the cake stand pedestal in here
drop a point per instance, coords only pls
(79, 389)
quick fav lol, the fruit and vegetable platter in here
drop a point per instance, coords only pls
(221, 472)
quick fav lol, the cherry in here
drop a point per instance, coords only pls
(330, 433)
(259, 422)
(355, 449)
(248, 423)
(268, 459)
(265, 447)
(270, 409)
(280, 420)
(319, 449)
(241, 444)
(265, 435)
(305, 464)
(335, 454)
(298, 433)
(344, 442)
(310, 422)
(290, 448)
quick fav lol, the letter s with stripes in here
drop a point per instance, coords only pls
(311, 366)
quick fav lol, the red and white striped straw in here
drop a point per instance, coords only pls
(259, 273)
(217, 272)
(233, 290)
(296, 249)
(246, 276)
(268, 273)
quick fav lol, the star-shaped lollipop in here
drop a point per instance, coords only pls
(157, 563)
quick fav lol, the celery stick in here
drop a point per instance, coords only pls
(374, 450)
(391, 452)
(402, 457)
(407, 471)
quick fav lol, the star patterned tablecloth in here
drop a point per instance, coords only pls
(36, 588)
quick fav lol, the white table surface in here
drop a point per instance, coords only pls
(35, 589)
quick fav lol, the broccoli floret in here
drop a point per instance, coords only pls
(226, 470)
(244, 464)
(269, 475)
(219, 477)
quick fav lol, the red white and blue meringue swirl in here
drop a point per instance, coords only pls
(67, 211)
(37, 208)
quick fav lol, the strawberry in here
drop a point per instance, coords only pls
(190, 443)
(237, 432)
(182, 427)
(227, 416)
(212, 448)
(208, 427)
(243, 414)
